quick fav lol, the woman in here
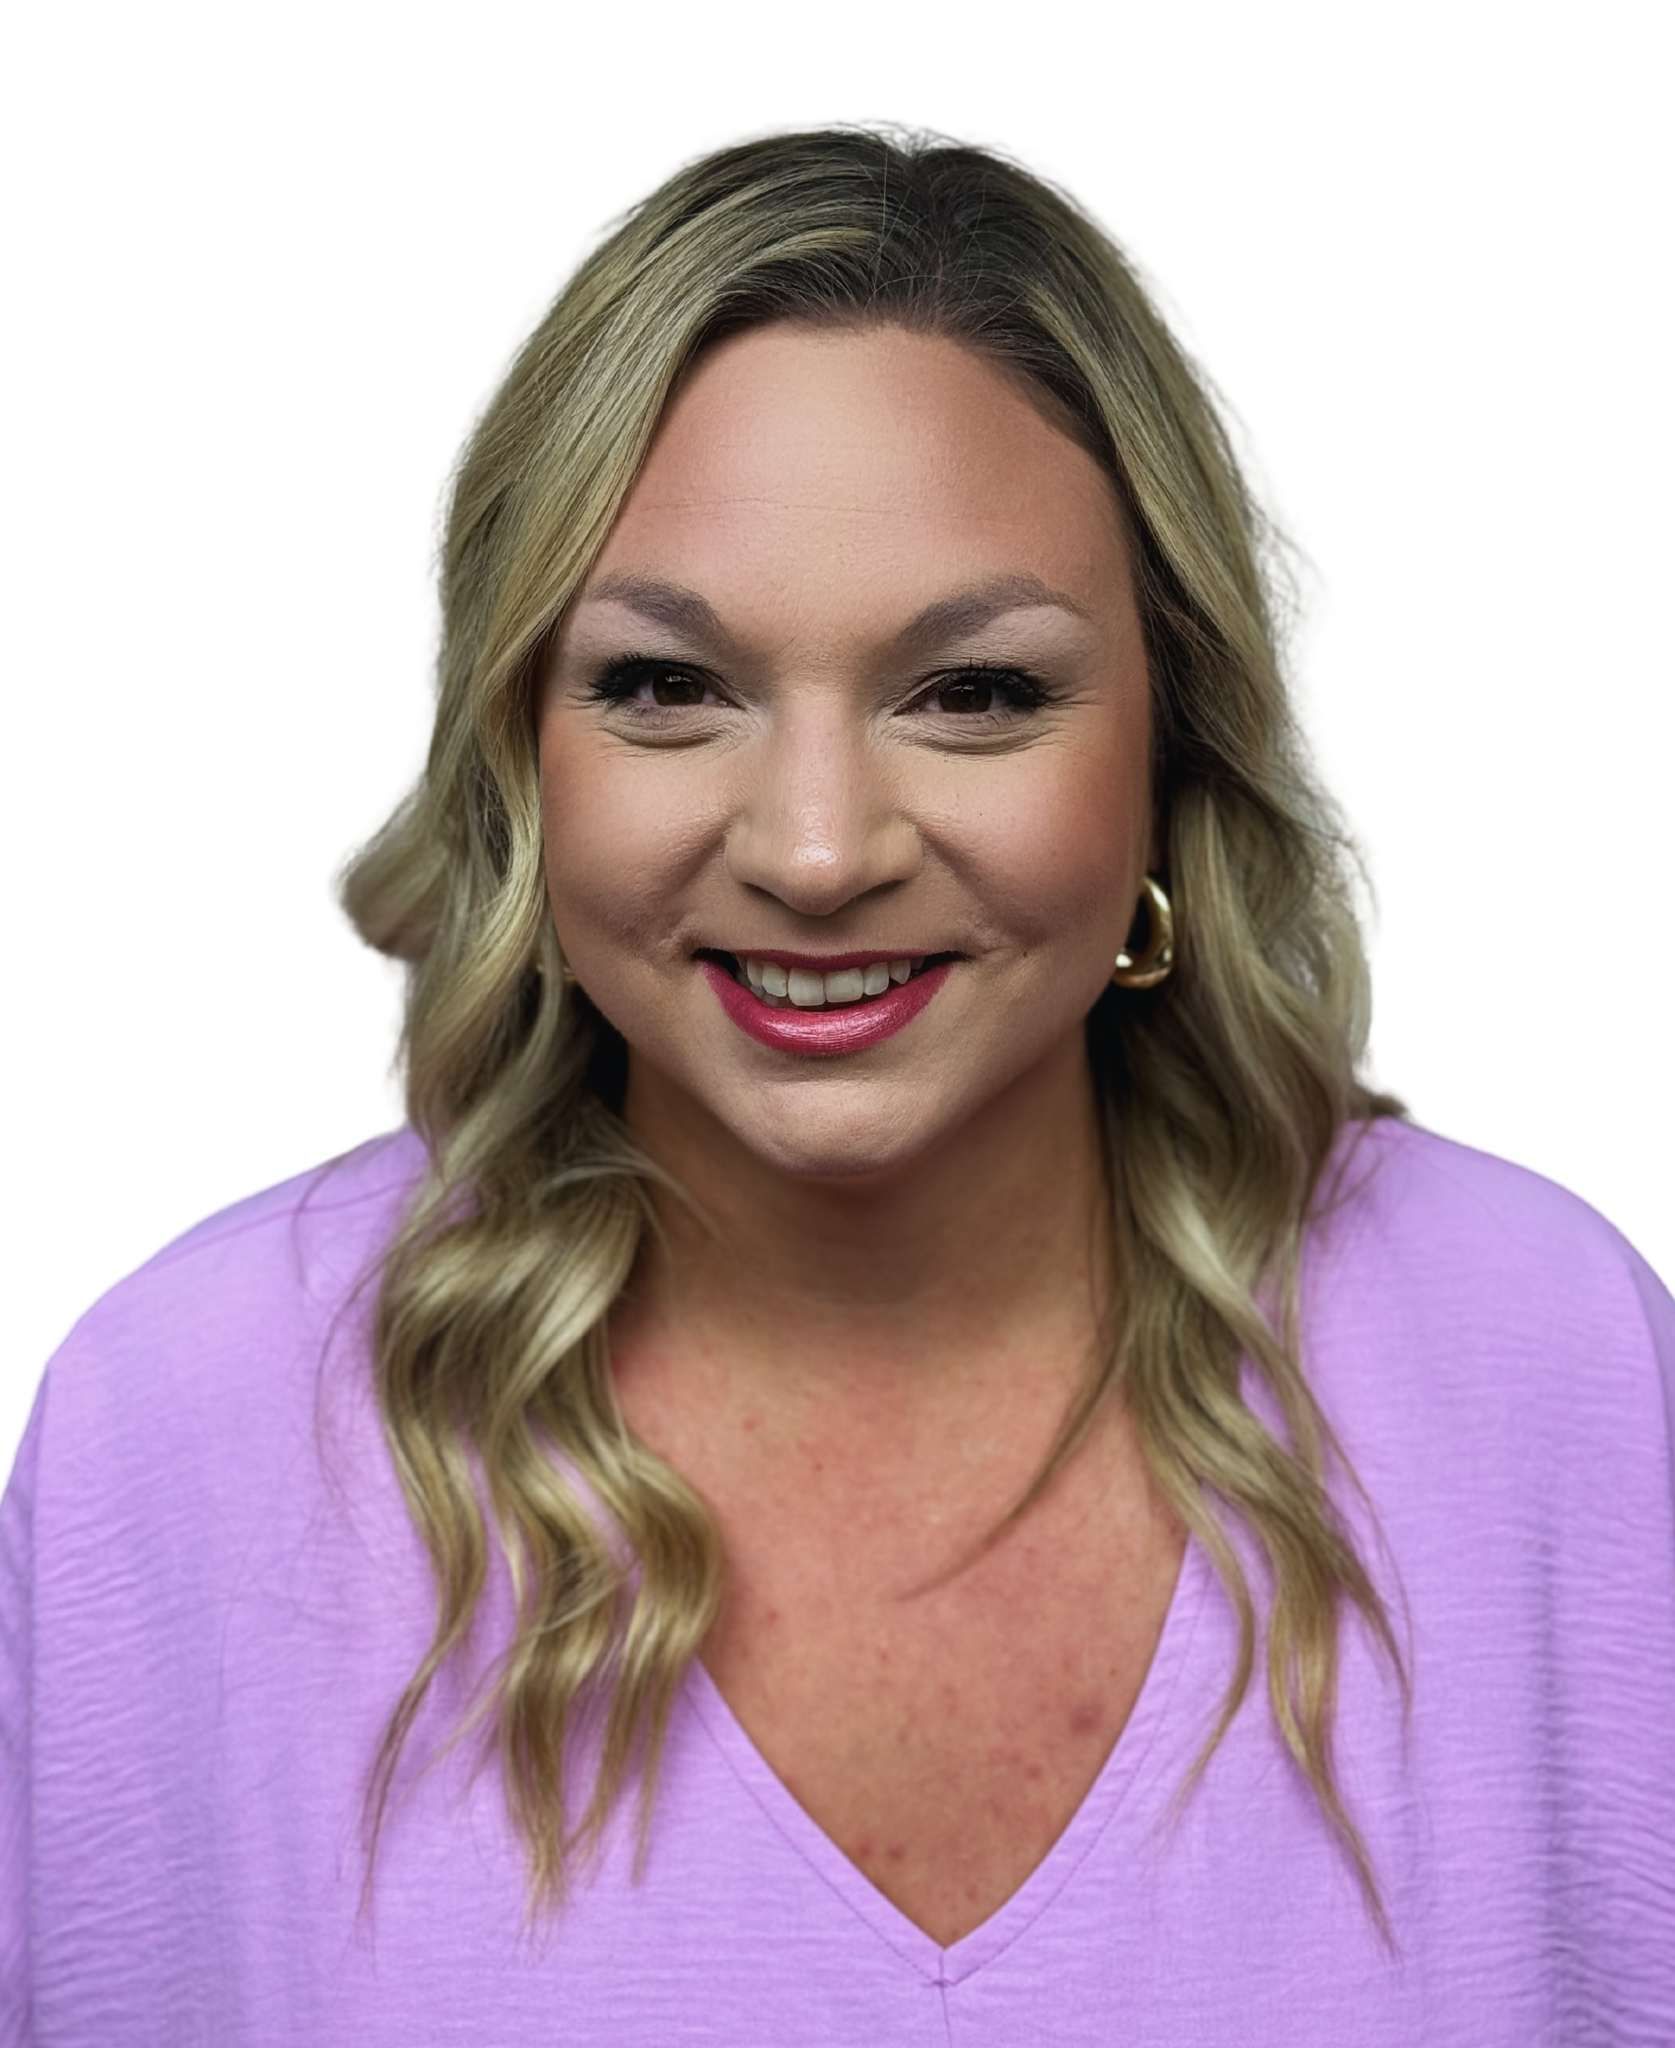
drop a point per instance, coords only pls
(889, 1296)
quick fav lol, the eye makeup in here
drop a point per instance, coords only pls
(1026, 692)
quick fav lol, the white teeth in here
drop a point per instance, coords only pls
(808, 991)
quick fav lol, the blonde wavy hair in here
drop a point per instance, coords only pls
(1221, 1091)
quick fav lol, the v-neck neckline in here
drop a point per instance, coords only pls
(949, 1964)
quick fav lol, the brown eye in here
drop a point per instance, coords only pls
(969, 693)
(620, 679)
(972, 691)
(963, 697)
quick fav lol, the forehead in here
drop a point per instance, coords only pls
(884, 460)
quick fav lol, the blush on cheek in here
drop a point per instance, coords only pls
(611, 868)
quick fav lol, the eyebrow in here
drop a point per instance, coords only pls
(687, 611)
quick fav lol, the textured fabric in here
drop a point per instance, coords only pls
(206, 1615)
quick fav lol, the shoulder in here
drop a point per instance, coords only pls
(1438, 1184)
(1494, 1274)
(270, 1250)
(201, 1339)
(337, 1193)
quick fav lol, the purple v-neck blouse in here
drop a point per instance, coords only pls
(206, 1616)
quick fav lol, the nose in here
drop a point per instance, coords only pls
(821, 814)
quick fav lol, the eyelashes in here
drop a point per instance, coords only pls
(1025, 691)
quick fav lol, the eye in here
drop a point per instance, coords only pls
(617, 682)
(1024, 691)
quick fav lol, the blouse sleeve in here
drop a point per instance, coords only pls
(1635, 1980)
(17, 1573)
(1657, 1305)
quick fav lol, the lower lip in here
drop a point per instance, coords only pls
(846, 1027)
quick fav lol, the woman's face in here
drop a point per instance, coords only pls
(800, 778)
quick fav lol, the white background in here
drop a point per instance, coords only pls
(268, 262)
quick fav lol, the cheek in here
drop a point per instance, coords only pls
(589, 815)
(1054, 852)
(605, 849)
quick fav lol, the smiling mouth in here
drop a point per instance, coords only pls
(736, 969)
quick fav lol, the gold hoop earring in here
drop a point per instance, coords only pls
(1157, 961)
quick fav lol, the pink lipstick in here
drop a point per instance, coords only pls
(844, 1027)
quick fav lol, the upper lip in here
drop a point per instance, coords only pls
(825, 963)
